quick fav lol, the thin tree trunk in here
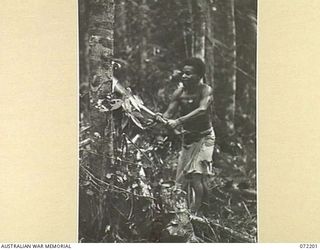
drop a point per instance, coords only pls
(144, 37)
(200, 29)
(246, 38)
(233, 65)
(191, 33)
(225, 62)
(122, 19)
(209, 45)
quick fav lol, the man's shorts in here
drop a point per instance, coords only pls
(196, 158)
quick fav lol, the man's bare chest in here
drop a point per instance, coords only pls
(189, 101)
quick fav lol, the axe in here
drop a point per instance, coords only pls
(136, 101)
(150, 112)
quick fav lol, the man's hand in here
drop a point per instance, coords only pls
(159, 118)
(176, 76)
(174, 123)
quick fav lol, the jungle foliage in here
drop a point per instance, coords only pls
(128, 51)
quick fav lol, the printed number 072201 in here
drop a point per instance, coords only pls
(308, 245)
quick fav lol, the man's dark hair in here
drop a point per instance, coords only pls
(197, 64)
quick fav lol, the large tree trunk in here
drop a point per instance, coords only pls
(83, 62)
(100, 32)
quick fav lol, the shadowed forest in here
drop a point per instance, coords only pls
(129, 53)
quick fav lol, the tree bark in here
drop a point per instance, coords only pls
(100, 31)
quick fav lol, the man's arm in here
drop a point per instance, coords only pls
(205, 102)
(174, 104)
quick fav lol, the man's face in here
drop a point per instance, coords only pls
(189, 77)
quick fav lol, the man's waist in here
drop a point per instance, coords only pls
(190, 137)
(197, 125)
(199, 133)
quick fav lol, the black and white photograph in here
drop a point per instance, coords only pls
(167, 121)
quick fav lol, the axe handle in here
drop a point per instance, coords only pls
(152, 113)
(163, 120)
(144, 108)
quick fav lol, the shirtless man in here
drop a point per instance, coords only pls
(193, 100)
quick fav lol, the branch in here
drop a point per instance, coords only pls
(113, 158)
(85, 142)
(243, 237)
(84, 129)
(118, 189)
(143, 153)
(245, 73)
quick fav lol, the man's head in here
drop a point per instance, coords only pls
(193, 71)
(197, 64)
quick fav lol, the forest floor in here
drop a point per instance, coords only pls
(140, 203)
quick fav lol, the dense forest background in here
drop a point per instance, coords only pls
(131, 48)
